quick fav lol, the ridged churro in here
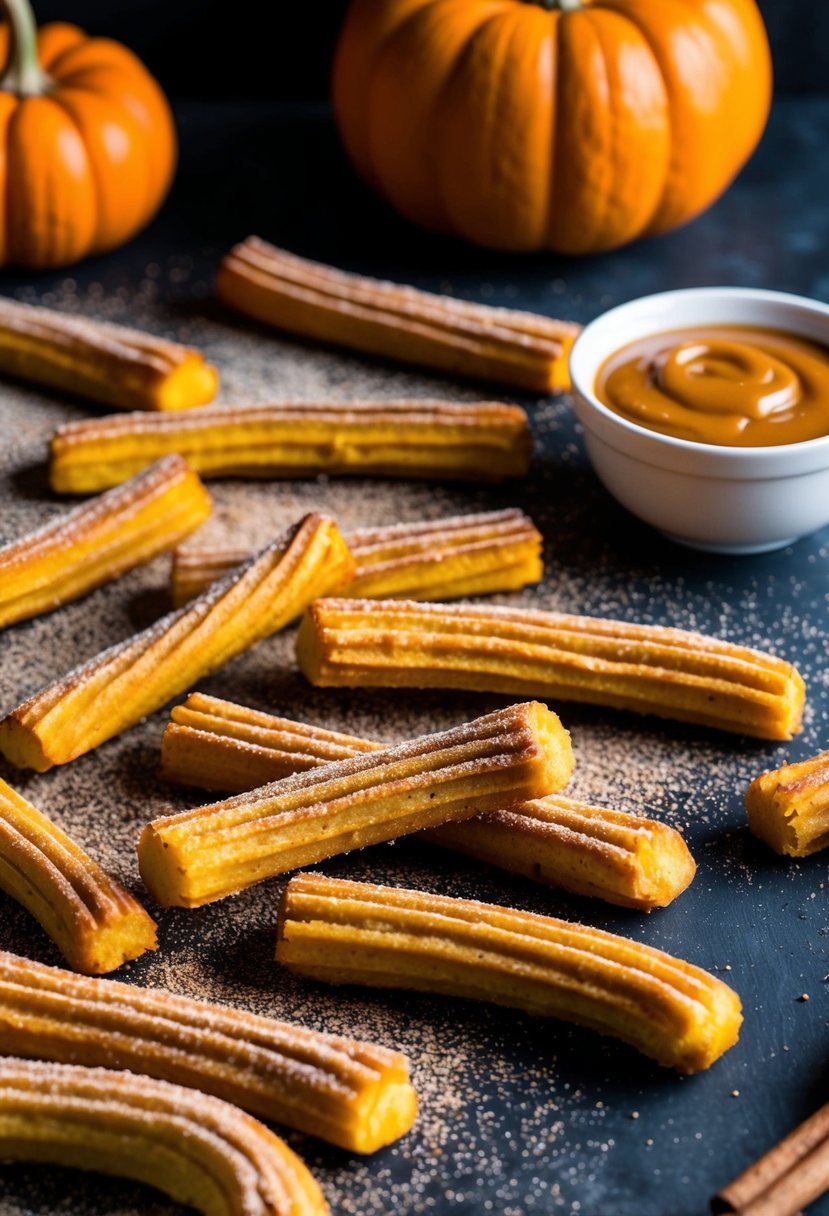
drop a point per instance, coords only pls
(649, 669)
(116, 688)
(95, 923)
(359, 933)
(788, 808)
(481, 441)
(589, 850)
(357, 1095)
(100, 540)
(496, 761)
(431, 560)
(522, 349)
(117, 366)
(197, 1149)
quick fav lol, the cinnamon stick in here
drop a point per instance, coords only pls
(786, 1179)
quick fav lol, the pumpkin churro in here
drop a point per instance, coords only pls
(122, 367)
(433, 560)
(788, 808)
(589, 850)
(496, 761)
(482, 441)
(521, 349)
(95, 923)
(116, 688)
(197, 1149)
(358, 933)
(357, 1095)
(101, 540)
(646, 668)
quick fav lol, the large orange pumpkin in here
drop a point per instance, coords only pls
(574, 125)
(87, 142)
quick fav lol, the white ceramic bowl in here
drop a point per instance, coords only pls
(723, 499)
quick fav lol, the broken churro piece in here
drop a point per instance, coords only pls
(197, 1149)
(789, 807)
(95, 923)
(102, 539)
(112, 691)
(357, 1095)
(122, 367)
(589, 850)
(482, 441)
(522, 349)
(198, 856)
(646, 668)
(359, 933)
(434, 560)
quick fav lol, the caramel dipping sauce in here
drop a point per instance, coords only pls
(736, 385)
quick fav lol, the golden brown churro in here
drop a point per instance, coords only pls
(496, 761)
(358, 933)
(308, 298)
(197, 1149)
(481, 441)
(646, 668)
(589, 850)
(789, 807)
(99, 541)
(436, 559)
(126, 368)
(357, 1095)
(115, 689)
(95, 923)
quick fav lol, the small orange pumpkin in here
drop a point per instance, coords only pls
(87, 142)
(573, 125)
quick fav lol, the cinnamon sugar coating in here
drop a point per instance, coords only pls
(650, 669)
(521, 349)
(360, 933)
(495, 761)
(354, 1094)
(197, 1149)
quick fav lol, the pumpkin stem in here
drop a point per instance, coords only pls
(563, 6)
(22, 73)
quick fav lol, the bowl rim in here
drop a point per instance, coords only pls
(765, 454)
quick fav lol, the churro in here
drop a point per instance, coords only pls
(588, 850)
(99, 541)
(481, 441)
(359, 933)
(431, 560)
(122, 367)
(521, 349)
(116, 688)
(649, 669)
(199, 1150)
(788, 808)
(95, 923)
(357, 1095)
(496, 761)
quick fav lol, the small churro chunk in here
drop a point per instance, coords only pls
(440, 559)
(589, 850)
(118, 687)
(481, 441)
(359, 933)
(357, 1095)
(109, 363)
(308, 298)
(650, 669)
(496, 761)
(100, 540)
(197, 1149)
(95, 923)
(789, 807)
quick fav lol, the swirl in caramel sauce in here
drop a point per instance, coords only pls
(737, 385)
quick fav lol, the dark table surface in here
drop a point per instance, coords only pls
(519, 1116)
